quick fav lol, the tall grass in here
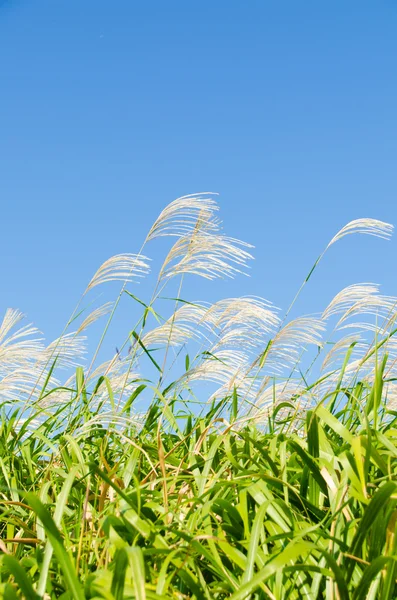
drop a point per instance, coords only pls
(223, 451)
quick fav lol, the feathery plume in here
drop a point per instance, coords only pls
(220, 367)
(186, 214)
(208, 255)
(106, 368)
(113, 420)
(121, 381)
(243, 321)
(284, 350)
(122, 267)
(183, 325)
(239, 382)
(379, 306)
(365, 226)
(18, 348)
(68, 350)
(341, 347)
(18, 383)
(279, 392)
(95, 315)
(390, 392)
(348, 297)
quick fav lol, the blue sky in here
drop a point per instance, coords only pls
(110, 110)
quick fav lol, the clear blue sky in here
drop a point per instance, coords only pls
(109, 110)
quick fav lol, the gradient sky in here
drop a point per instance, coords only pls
(110, 110)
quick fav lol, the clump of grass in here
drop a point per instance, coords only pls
(224, 451)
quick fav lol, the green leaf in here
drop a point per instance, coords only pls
(378, 502)
(369, 576)
(59, 510)
(135, 559)
(21, 577)
(291, 552)
(55, 539)
(146, 351)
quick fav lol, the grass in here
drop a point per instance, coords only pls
(279, 483)
(203, 507)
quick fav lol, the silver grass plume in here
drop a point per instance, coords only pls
(207, 255)
(96, 314)
(364, 226)
(346, 298)
(379, 306)
(57, 394)
(104, 369)
(243, 322)
(182, 326)
(121, 376)
(113, 421)
(23, 361)
(121, 382)
(338, 351)
(17, 384)
(68, 351)
(217, 367)
(186, 214)
(239, 382)
(275, 394)
(358, 300)
(122, 267)
(18, 348)
(284, 350)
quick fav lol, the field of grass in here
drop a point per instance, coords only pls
(224, 451)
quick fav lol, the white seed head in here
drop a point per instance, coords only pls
(218, 367)
(95, 315)
(186, 214)
(17, 349)
(206, 254)
(243, 322)
(68, 350)
(122, 267)
(339, 349)
(285, 348)
(347, 297)
(364, 226)
(188, 322)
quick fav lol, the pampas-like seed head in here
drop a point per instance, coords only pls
(122, 267)
(285, 348)
(186, 214)
(381, 307)
(19, 348)
(68, 351)
(95, 315)
(187, 322)
(276, 393)
(347, 297)
(121, 380)
(20, 383)
(219, 367)
(340, 348)
(243, 322)
(208, 255)
(365, 226)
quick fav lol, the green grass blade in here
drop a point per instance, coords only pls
(72, 583)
